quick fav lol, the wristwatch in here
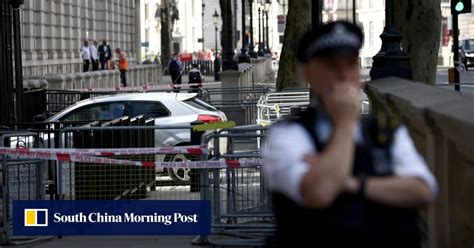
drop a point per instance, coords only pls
(362, 182)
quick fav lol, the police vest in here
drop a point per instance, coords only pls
(351, 221)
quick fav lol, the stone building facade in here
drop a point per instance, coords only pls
(53, 32)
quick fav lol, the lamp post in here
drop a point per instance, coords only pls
(391, 60)
(252, 52)
(267, 36)
(260, 53)
(243, 56)
(229, 63)
(18, 60)
(203, 8)
(217, 64)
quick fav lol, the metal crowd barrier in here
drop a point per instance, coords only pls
(241, 205)
(116, 181)
(205, 66)
(273, 106)
(276, 105)
(21, 179)
(241, 209)
(239, 103)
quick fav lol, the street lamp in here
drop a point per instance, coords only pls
(215, 18)
(243, 56)
(391, 59)
(18, 61)
(252, 52)
(217, 65)
(229, 63)
(267, 36)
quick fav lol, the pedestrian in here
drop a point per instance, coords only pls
(122, 64)
(86, 56)
(105, 55)
(156, 61)
(94, 56)
(195, 79)
(175, 69)
(338, 179)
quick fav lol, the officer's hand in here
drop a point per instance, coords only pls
(342, 102)
(351, 185)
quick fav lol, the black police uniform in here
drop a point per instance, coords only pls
(352, 220)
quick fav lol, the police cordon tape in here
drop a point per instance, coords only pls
(108, 152)
(68, 155)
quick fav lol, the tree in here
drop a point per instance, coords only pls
(298, 23)
(166, 31)
(167, 19)
(420, 23)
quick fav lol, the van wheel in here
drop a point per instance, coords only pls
(178, 175)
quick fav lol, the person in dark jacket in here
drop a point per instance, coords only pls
(339, 179)
(175, 69)
(105, 55)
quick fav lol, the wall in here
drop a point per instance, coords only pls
(441, 123)
(137, 76)
(54, 30)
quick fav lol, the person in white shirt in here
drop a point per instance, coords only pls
(337, 179)
(86, 56)
(94, 56)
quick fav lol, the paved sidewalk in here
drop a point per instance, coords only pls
(116, 242)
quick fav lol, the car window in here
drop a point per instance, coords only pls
(97, 112)
(196, 103)
(148, 109)
(469, 45)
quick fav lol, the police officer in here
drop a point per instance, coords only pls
(337, 179)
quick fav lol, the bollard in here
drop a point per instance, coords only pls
(217, 69)
(196, 174)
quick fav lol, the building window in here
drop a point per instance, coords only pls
(194, 35)
(192, 8)
(370, 4)
(371, 34)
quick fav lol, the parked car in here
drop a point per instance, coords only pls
(466, 53)
(166, 108)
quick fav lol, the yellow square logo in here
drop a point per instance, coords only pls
(36, 217)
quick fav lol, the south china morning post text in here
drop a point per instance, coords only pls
(125, 217)
(98, 217)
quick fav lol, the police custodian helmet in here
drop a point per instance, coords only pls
(330, 39)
